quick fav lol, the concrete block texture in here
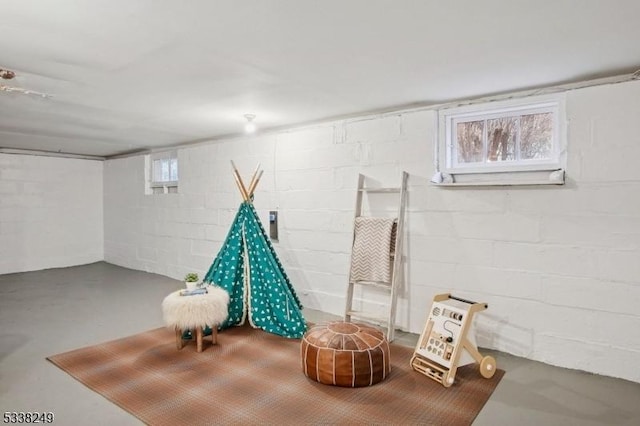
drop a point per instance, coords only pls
(51, 212)
(558, 265)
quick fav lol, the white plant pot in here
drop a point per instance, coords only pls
(191, 285)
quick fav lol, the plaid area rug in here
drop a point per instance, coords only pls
(252, 377)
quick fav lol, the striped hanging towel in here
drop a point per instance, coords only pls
(372, 245)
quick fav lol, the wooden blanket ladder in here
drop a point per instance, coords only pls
(386, 319)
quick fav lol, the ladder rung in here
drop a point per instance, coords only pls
(380, 284)
(367, 316)
(379, 189)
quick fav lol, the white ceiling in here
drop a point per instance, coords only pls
(128, 75)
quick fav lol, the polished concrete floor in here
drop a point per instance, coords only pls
(46, 312)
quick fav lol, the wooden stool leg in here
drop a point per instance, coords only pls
(179, 342)
(199, 338)
(214, 334)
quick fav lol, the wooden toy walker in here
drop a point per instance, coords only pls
(443, 345)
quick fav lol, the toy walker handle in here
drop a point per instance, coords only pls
(471, 302)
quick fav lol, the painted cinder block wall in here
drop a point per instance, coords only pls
(51, 212)
(559, 266)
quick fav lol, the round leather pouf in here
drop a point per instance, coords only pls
(345, 354)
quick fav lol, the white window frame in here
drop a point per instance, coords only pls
(501, 172)
(166, 185)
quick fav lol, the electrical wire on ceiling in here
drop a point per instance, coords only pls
(6, 74)
(22, 91)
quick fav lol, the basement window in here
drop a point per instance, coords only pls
(502, 143)
(162, 170)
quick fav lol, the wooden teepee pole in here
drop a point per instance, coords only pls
(254, 183)
(253, 179)
(236, 175)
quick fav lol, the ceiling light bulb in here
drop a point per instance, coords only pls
(250, 127)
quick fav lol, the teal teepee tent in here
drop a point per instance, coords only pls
(248, 268)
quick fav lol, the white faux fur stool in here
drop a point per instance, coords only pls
(195, 313)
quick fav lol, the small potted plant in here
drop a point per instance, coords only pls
(191, 280)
